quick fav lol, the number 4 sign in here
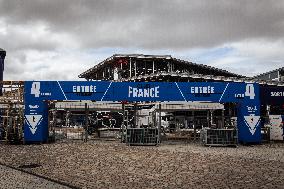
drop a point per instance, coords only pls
(35, 90)
(250, 91)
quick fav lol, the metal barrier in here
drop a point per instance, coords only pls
(219, 137)
(142, 136)
(62, 133)
(109, 133)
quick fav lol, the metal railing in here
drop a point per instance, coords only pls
(219, 137)
(142, 136)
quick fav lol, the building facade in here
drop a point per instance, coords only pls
(274, 75)
(165, 68)
(139, 67)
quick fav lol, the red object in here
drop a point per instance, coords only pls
(121, 61)
(124, 102)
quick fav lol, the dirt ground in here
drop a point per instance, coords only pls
(110, 164)
(11, 178)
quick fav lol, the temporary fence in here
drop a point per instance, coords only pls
(142, 136)
(219, 137)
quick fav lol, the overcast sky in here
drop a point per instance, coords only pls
(59, 39)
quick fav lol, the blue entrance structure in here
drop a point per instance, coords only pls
(38, 92)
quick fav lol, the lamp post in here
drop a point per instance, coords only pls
(2, 58)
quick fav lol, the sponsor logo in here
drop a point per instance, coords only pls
(251, 109)
(33, 107)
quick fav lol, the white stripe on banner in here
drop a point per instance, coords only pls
(180, 91)
(224, 92)
(106, 91)
(62, 90)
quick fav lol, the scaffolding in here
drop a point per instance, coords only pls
(12, 111)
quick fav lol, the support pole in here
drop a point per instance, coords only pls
(127, 120)
(194, 127)
(211, 117)
(160, 123)
(135, 115)
(267, 110)
(123, 123)
(208, 118)
(223, 119)
(49, 126)
(135, 69)
(53, 123)
(130, 68)
(87, 122)
(2, 58)
(66, 121)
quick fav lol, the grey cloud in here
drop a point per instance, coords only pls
(21, 42)
(175, 27)
(152, 24)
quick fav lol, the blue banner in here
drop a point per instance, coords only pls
(246, 94)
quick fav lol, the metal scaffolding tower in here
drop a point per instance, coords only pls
(12, 111)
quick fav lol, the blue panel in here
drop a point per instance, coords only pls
(66, 90)
(143, 91)
(249, 127)
(247, 95)
(272, 95)
(36, 121)
(84, 90)
(249, 123)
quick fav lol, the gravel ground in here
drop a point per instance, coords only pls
(11, 178)
(98, 164)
